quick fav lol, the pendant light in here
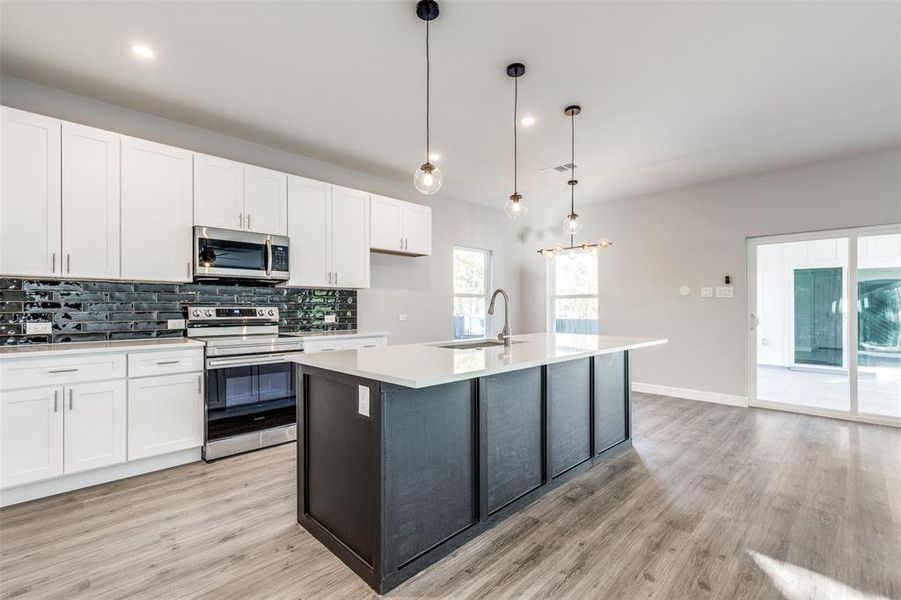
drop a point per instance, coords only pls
(514, 207)
(571, 223)
(427, 177)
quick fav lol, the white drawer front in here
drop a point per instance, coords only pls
(144, 364)
(324, 346)
(376, 342)
(33, 372)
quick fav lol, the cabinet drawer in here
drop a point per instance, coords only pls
(375, 342)
(32, 372)
(145, 364)
(324, 346)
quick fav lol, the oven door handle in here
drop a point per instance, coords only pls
(218, 363)
(268, 256)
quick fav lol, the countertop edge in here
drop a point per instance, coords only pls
(74, 348)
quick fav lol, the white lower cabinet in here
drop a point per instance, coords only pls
(31, 435)
(94, 431)
(165, 414)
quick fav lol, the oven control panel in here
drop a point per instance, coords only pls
(232, 313)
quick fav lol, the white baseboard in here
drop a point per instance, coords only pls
(715, 397)
(67, 483)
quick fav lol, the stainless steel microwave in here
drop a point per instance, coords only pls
(229, 254)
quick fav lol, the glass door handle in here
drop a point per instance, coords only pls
(754, 321)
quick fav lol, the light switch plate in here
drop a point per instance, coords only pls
(706, 292)
(724, 292)
(363, 400)
(175, 323)
(38, 328)
(330, 319)
(402, 317)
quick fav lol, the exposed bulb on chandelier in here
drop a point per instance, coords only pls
(515, 208)
(427, 178)
(571, 224)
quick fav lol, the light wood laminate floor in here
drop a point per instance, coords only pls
(712, 502)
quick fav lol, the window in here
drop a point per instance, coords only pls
(574, 286)
(472, 283)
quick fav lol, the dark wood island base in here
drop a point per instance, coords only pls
(432, 468)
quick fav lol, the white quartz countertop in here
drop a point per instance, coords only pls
(336, 335)
(69, 349)
(424, 365)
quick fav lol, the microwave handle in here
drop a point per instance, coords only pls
(268, 256)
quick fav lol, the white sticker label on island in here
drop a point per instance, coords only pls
(363, 400)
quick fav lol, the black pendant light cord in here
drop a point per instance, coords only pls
(572, 171)
(515, 140)
(428, 78)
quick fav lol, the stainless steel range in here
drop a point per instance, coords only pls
(250, 386)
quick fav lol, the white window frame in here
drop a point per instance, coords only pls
(489, 277)
(551, 289)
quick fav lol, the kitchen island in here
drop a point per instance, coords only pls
(407, 452)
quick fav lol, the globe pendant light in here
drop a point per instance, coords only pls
(571, 223)
(514, 207)
(427, 178)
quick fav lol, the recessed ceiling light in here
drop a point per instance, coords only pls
(143, 51)
(434, 156)
(528, 121)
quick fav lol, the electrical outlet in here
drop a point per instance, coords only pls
(175, 324)
(38, 328)
(724, 292)
(402, 317)
(706, 292)
(363, 400)
(331, 319)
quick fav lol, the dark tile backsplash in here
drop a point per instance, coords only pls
(117, 310)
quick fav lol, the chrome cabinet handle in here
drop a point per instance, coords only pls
(330, 278)
(70, 398)
(68, 263)
(241, 220)
(189, 269)
(401, 243)
(406, 244)
(53, 262)
(168, 362)
(62, 370)
(55, 400)
(199, 385)
(336, 277)
(248, 220)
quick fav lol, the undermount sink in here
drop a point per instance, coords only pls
(474, 345)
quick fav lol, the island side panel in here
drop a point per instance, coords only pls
(431, 467)
(339, 468)
(511, 414)
(569, 414)
(611, 402)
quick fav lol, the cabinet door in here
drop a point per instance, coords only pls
(94, 425)
(30, 200)
(417, 229)
(308, 230)
(165, 414)
(350, 238)
(218, 192)
(611, 400)
(386, 224)
(265, 201)
(90, 202)
(156, 212)
(31, 435)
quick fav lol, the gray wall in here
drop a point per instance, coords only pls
(695, 236)
(419, 287)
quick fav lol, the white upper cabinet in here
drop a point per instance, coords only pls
(350, 238)
(265, 201)
(156, 211)
(232, 195)
(400, 227)
(31, 194)
(31, 435)
(218, 192)
(95, 424)
(309, 205)
(90, 209)
(329, 230)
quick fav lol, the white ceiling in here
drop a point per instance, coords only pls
(672, 93)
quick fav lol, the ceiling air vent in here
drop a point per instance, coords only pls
(564, 168)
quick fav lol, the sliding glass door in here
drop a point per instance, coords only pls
(825, 316)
